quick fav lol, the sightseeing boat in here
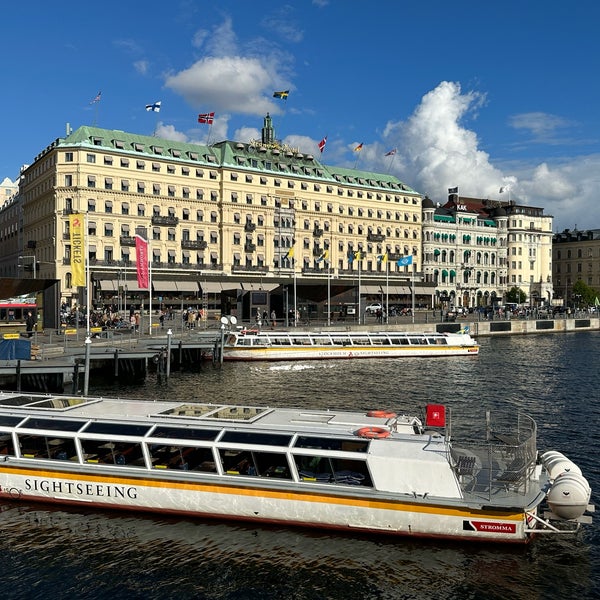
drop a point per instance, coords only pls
(374, 471)
(302, 345)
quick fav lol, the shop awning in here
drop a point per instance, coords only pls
(187, 286)
(259, 287)
(211, 287)
(370, 289)
(112, 285)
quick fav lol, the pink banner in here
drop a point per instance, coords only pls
(141, 258)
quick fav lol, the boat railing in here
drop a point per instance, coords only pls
(502, 465)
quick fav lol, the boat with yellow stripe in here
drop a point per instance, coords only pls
(375, 471)
(304, 345)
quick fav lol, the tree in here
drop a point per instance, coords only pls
(516, 295)
(583, 294)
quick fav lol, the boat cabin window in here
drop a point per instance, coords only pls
(6, 444)
(255, 464)
(53, 424)
(47, 446)
(185, 458)
(399, 341)
(305, 441)
(322, 341)
(257, 438)
(324, 469)
(126, 429)
(361, 341)
(113, 452)
(185, 433)
(416, 341)
(7, 421)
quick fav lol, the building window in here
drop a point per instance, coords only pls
(108, 206)
(141, 210)
(125, 208)
(91, 205)
(68, 180)
(68, 157)
(108, 230)
(91, 158)
(91, 181)
(171, 235)
(124, 185)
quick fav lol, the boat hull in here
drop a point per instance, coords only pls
(327, 352)
(357, 512)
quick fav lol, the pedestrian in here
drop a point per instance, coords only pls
(273, 317)
(265, 317)
(29, 323)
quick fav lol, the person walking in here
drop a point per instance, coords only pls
(29, 323)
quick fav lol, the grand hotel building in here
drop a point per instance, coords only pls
(222, 220)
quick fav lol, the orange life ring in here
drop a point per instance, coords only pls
(373, 432)
(383, 414)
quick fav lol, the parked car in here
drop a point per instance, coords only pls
(373, 308)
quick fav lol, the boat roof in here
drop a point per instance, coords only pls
(14, 407)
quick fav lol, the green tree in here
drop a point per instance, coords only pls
(583, 294)
(516, 294)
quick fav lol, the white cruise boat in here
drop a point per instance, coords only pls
(374, 471)
(302, 345)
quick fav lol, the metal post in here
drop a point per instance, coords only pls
(169, 335)
(86, 375)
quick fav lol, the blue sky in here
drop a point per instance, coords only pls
(473, 94)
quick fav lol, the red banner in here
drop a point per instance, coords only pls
(141, 258)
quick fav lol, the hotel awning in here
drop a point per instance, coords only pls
(259, 287)
(112, 285)
(211, 287)
(187, 286)
(370, 289)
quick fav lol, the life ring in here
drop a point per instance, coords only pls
(382, 414)
(373, 432)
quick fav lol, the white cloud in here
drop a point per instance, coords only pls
(141, 66)
(437, 151)
(168, 132)
(541, 125)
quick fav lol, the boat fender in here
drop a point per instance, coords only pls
(382, 414)
(557, 463)
(373, 432)
(569, 495)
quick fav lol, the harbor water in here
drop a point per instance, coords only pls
(78, 553)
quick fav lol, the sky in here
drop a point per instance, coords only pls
(470, 94)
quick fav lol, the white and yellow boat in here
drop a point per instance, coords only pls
(303, 345)
(354, 471)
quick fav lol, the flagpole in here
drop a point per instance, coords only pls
(387, 290)
(149, 291)
(87, 278)
(295, 305)
(359, 313)
(391, 161)
(328, 294)
(413, 291)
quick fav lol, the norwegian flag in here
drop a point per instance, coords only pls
(206, 118)
(322, 144)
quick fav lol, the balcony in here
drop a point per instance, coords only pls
(250, 227)
(249, 269)
(250, 247)
(317, 232)
(375, 237)
(166, 221)
(127, 240)
(194, 244)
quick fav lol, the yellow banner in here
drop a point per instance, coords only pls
(76, 229)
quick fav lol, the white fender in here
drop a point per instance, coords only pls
(569, 495)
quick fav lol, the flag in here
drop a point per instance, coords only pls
(358, 255)
(350, 256)
(324, 256)
(504, 188)
(97, 98)
(453, 190)
(322, 144)
(391, 152)
(381, 258)
(206, 118)
(358, 148)
(77, 238)
(283, 95)
(404, 261)
(290, 253)
(153, 107)
(141, 259)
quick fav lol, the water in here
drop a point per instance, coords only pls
(78, 554)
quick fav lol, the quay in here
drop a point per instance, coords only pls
(131, 355)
